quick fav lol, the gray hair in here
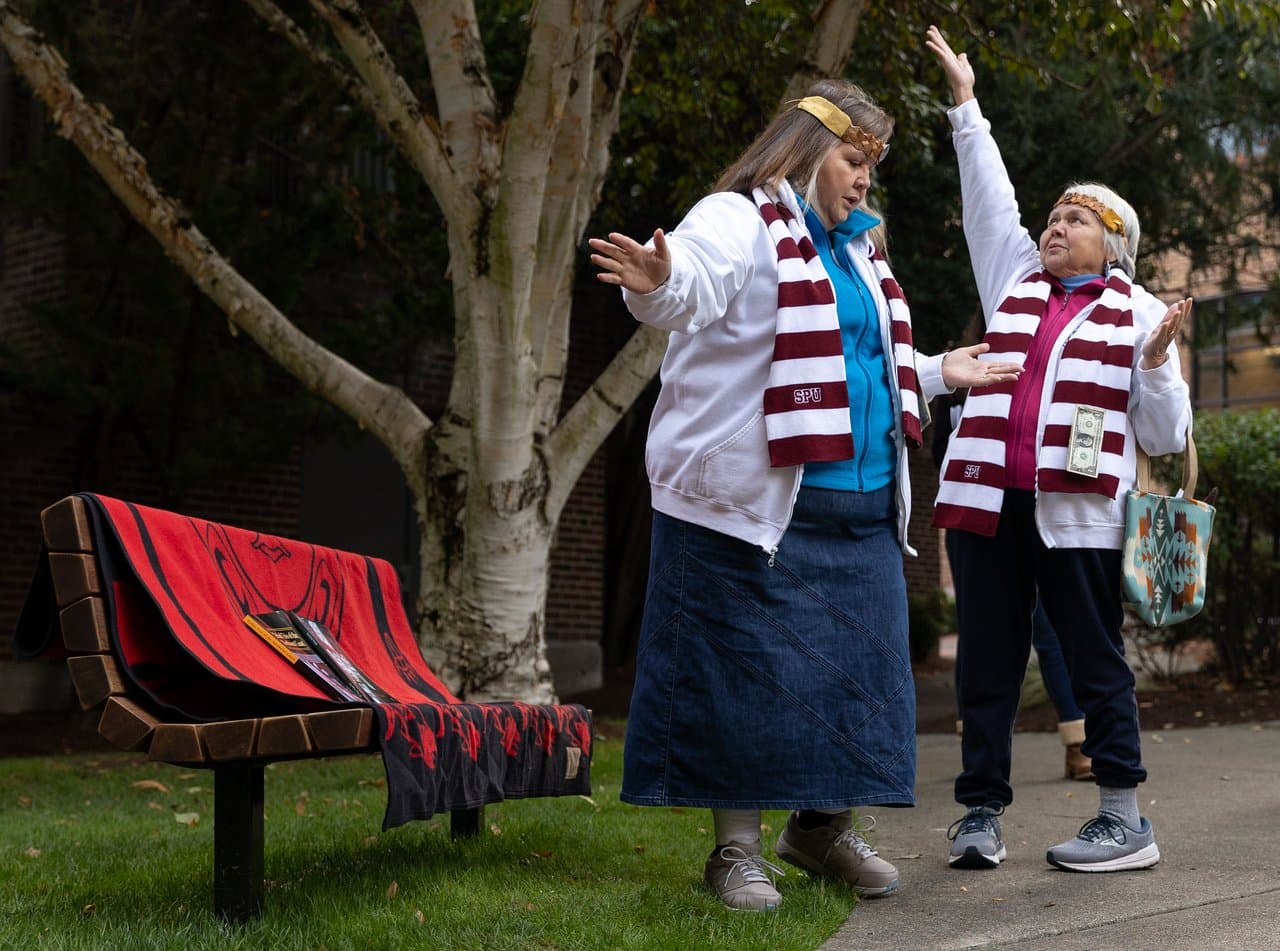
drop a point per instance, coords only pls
(1120, 248)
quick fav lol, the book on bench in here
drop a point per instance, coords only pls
(278, 630)
(326, 645)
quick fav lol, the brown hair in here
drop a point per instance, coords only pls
(795, 143)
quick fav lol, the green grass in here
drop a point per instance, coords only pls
(94, 856)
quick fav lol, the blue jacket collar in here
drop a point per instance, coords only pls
(858, 223)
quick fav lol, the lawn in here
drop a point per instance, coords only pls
(110, 851)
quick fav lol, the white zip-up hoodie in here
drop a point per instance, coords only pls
(1003, 254)
(707, 455)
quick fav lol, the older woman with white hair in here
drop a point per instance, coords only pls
(1034, 482)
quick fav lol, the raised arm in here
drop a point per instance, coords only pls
(958, 71)
(1001, 250)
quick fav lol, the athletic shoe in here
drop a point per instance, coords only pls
(838, 849)
(975, 838)
(1106, 844)
(738, 876)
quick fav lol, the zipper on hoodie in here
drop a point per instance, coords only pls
(841, 256)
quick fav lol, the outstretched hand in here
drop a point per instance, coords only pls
(959, 72)
(628, 263)
(1155, 350)
(962, 368)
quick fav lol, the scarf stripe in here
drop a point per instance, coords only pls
(1095, 369)
(806, 401)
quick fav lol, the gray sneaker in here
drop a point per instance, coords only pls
(975, 838)
(838, 850)
(740, 879)
(1106, 844)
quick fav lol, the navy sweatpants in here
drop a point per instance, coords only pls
(997, 580)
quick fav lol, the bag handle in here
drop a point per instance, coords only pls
(1190, 468)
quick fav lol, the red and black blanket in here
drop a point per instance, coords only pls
(177, 590)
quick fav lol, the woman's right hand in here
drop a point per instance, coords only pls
(627, 263)
(959, 72)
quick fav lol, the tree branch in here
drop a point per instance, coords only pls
(582, 430)
(835, 24)
(575, 179)
(465, 99)
(398, 110)
(384, 410)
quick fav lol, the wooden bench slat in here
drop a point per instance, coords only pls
(126, 725)
(84, 626)
(284, 736)
(336, 730)
(177, 743)
(66, 526)
(75, 576)
(230, 739)
(96, 677)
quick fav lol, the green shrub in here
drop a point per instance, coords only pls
(1239, 455)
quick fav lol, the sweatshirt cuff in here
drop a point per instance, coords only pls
(965, 115)
(929, 373)
(1164, 377)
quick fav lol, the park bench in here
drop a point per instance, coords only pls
(237, 749)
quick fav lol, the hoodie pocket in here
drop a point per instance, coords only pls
(735, 472)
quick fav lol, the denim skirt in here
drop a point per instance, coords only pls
(776, 686)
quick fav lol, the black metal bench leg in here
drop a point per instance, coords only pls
(237, 841)
(465, 823)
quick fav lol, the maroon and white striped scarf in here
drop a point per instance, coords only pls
(806, 401)
(1096, 369)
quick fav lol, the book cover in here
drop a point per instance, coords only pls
(277, 629)
(326, 645)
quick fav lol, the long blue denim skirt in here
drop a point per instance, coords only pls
(780, 686)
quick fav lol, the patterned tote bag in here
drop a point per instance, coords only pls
(1166, 546)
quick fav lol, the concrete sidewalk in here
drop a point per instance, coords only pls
(1213, 797)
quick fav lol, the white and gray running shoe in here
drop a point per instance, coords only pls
(1106, 844)
(975, 838)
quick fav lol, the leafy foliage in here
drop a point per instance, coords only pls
(1239, 454)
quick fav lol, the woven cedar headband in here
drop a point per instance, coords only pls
(1110, 220)
(842, 127)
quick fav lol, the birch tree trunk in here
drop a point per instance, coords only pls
(491, 476)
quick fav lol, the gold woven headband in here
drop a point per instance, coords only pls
(842, 127)
(1110, 220)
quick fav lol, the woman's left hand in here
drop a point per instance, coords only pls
(1155, 351)
(962, 368)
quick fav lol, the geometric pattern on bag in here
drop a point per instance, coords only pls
(1166, 547)
(1166, 554)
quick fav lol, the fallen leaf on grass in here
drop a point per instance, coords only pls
(151, 784)
(546, 854)
(154, 805)
(300, 807)
(392, 889)
(33, 853)
(24, 801)
(89, 909)
(189, 819)
(494, 829)
(419, 916)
